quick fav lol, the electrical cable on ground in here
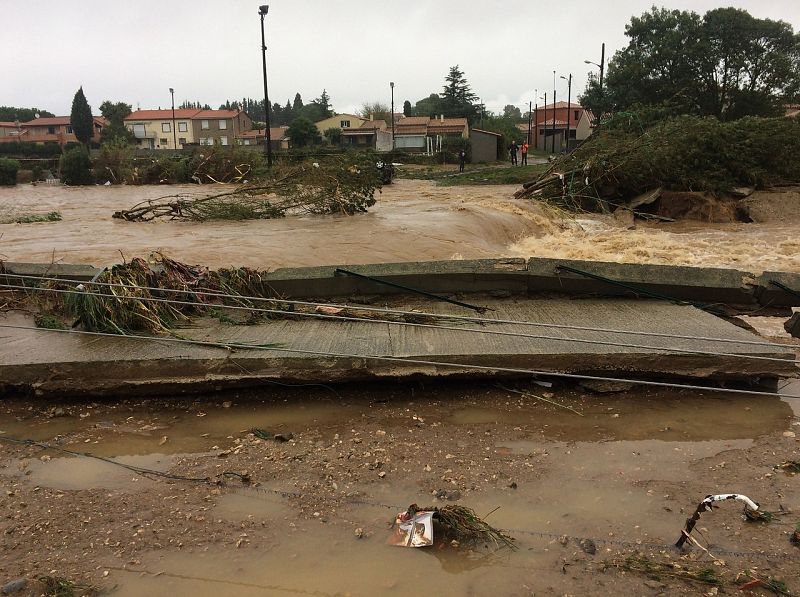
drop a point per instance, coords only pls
(334, 317)
(464, 318)
(532, 372)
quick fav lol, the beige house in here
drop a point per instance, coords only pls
(372, 134)
(221, 127)
(277, 135)
(420, 133)
(153, 129)
(340, 121)
(163, 129)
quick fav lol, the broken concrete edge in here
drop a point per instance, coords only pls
(512, 275)
(191, 376)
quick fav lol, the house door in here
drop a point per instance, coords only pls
(151, 144)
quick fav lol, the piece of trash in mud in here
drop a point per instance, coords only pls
(748, 581)
(708, 504)
(266, 435)
(795, 537)
(412, 530)
(790, 466)
(227, 404)
(758, 515)
(588, 546)
(449, 523)
(162, 441)
(359, 532)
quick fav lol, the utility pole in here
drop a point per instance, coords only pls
(569, 104)
(174, 136)
(602, 64)
(530, 113)
(553, 143)
(263, 10)
(391, 84)
(544, 143)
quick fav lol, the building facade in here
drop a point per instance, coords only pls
(48, 131)
(163, 129)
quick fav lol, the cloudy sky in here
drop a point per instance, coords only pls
(208, 50)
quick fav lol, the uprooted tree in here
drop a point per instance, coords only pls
(336, 186)
(631, 155)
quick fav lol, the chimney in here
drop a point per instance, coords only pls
(371, 117)
(441, 117)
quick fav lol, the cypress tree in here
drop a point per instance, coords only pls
(81, 118)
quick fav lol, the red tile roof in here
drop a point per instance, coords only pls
(411, 120)
(221, 114)
(547, 123)
(486, 132)
(559, 105)
(161, 114)
(58, 121)
(8, 124)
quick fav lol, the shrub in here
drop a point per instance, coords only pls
(8, 171)
(76, 167)
(114, 162)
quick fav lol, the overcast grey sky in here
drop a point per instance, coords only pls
(208, 50)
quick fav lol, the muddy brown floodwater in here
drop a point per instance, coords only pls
(413, 220)
(594, 500)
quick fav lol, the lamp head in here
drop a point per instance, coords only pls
(391, 84)
(263, 9)
(171, 90)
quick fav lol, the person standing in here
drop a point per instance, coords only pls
(514, 149)
(524, 153)
(462, 156)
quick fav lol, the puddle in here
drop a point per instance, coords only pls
(72, 473)
(341, 565)
(244, 504)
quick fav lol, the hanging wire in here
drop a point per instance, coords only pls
(327, 316)
(464, 318)
(454, 365)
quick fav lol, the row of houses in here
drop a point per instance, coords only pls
(57, 130)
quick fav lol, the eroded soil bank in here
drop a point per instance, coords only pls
(622, 476)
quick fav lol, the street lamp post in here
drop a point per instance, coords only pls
(391, 84)
(544, 130)
(174, 136)
(569, 105)
(553, 142)
(263, 10)
(602, 64)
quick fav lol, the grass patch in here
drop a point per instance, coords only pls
(55, 586)
(657, 570)
(48, 322)
(497, 175)
(53, 216)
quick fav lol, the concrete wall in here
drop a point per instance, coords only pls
(484, 147)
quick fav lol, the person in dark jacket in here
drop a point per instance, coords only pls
(514, 149)
(462, 156)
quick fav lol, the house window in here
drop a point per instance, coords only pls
(165, 127)
(163, 141)
(51, 130)
(577, 115)
(343, 124)
(246, 142)
(223, 124)
(183, 127)
(204, 125)
(206, 141)
(182, 140)
(223, 140)
(69, 130)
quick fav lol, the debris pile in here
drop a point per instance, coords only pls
(626, 159)
(338, 186)
(453, 525)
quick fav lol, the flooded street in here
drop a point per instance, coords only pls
(292, 490)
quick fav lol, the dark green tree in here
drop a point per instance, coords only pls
(115, 131)
(457, 97)
(378, 111)
(333, 135)
(81, 118)
(430, 106)
(302, 132)
(512, 113)
(406, 108)
(297, 105)
(323, 102)
(12, 114)
(726, 64)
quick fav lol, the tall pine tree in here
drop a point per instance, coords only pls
(81, 118)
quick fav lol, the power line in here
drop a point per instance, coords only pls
(464, 318)
(532, 372)
(334, 317)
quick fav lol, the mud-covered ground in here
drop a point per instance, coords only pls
(622, 476)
